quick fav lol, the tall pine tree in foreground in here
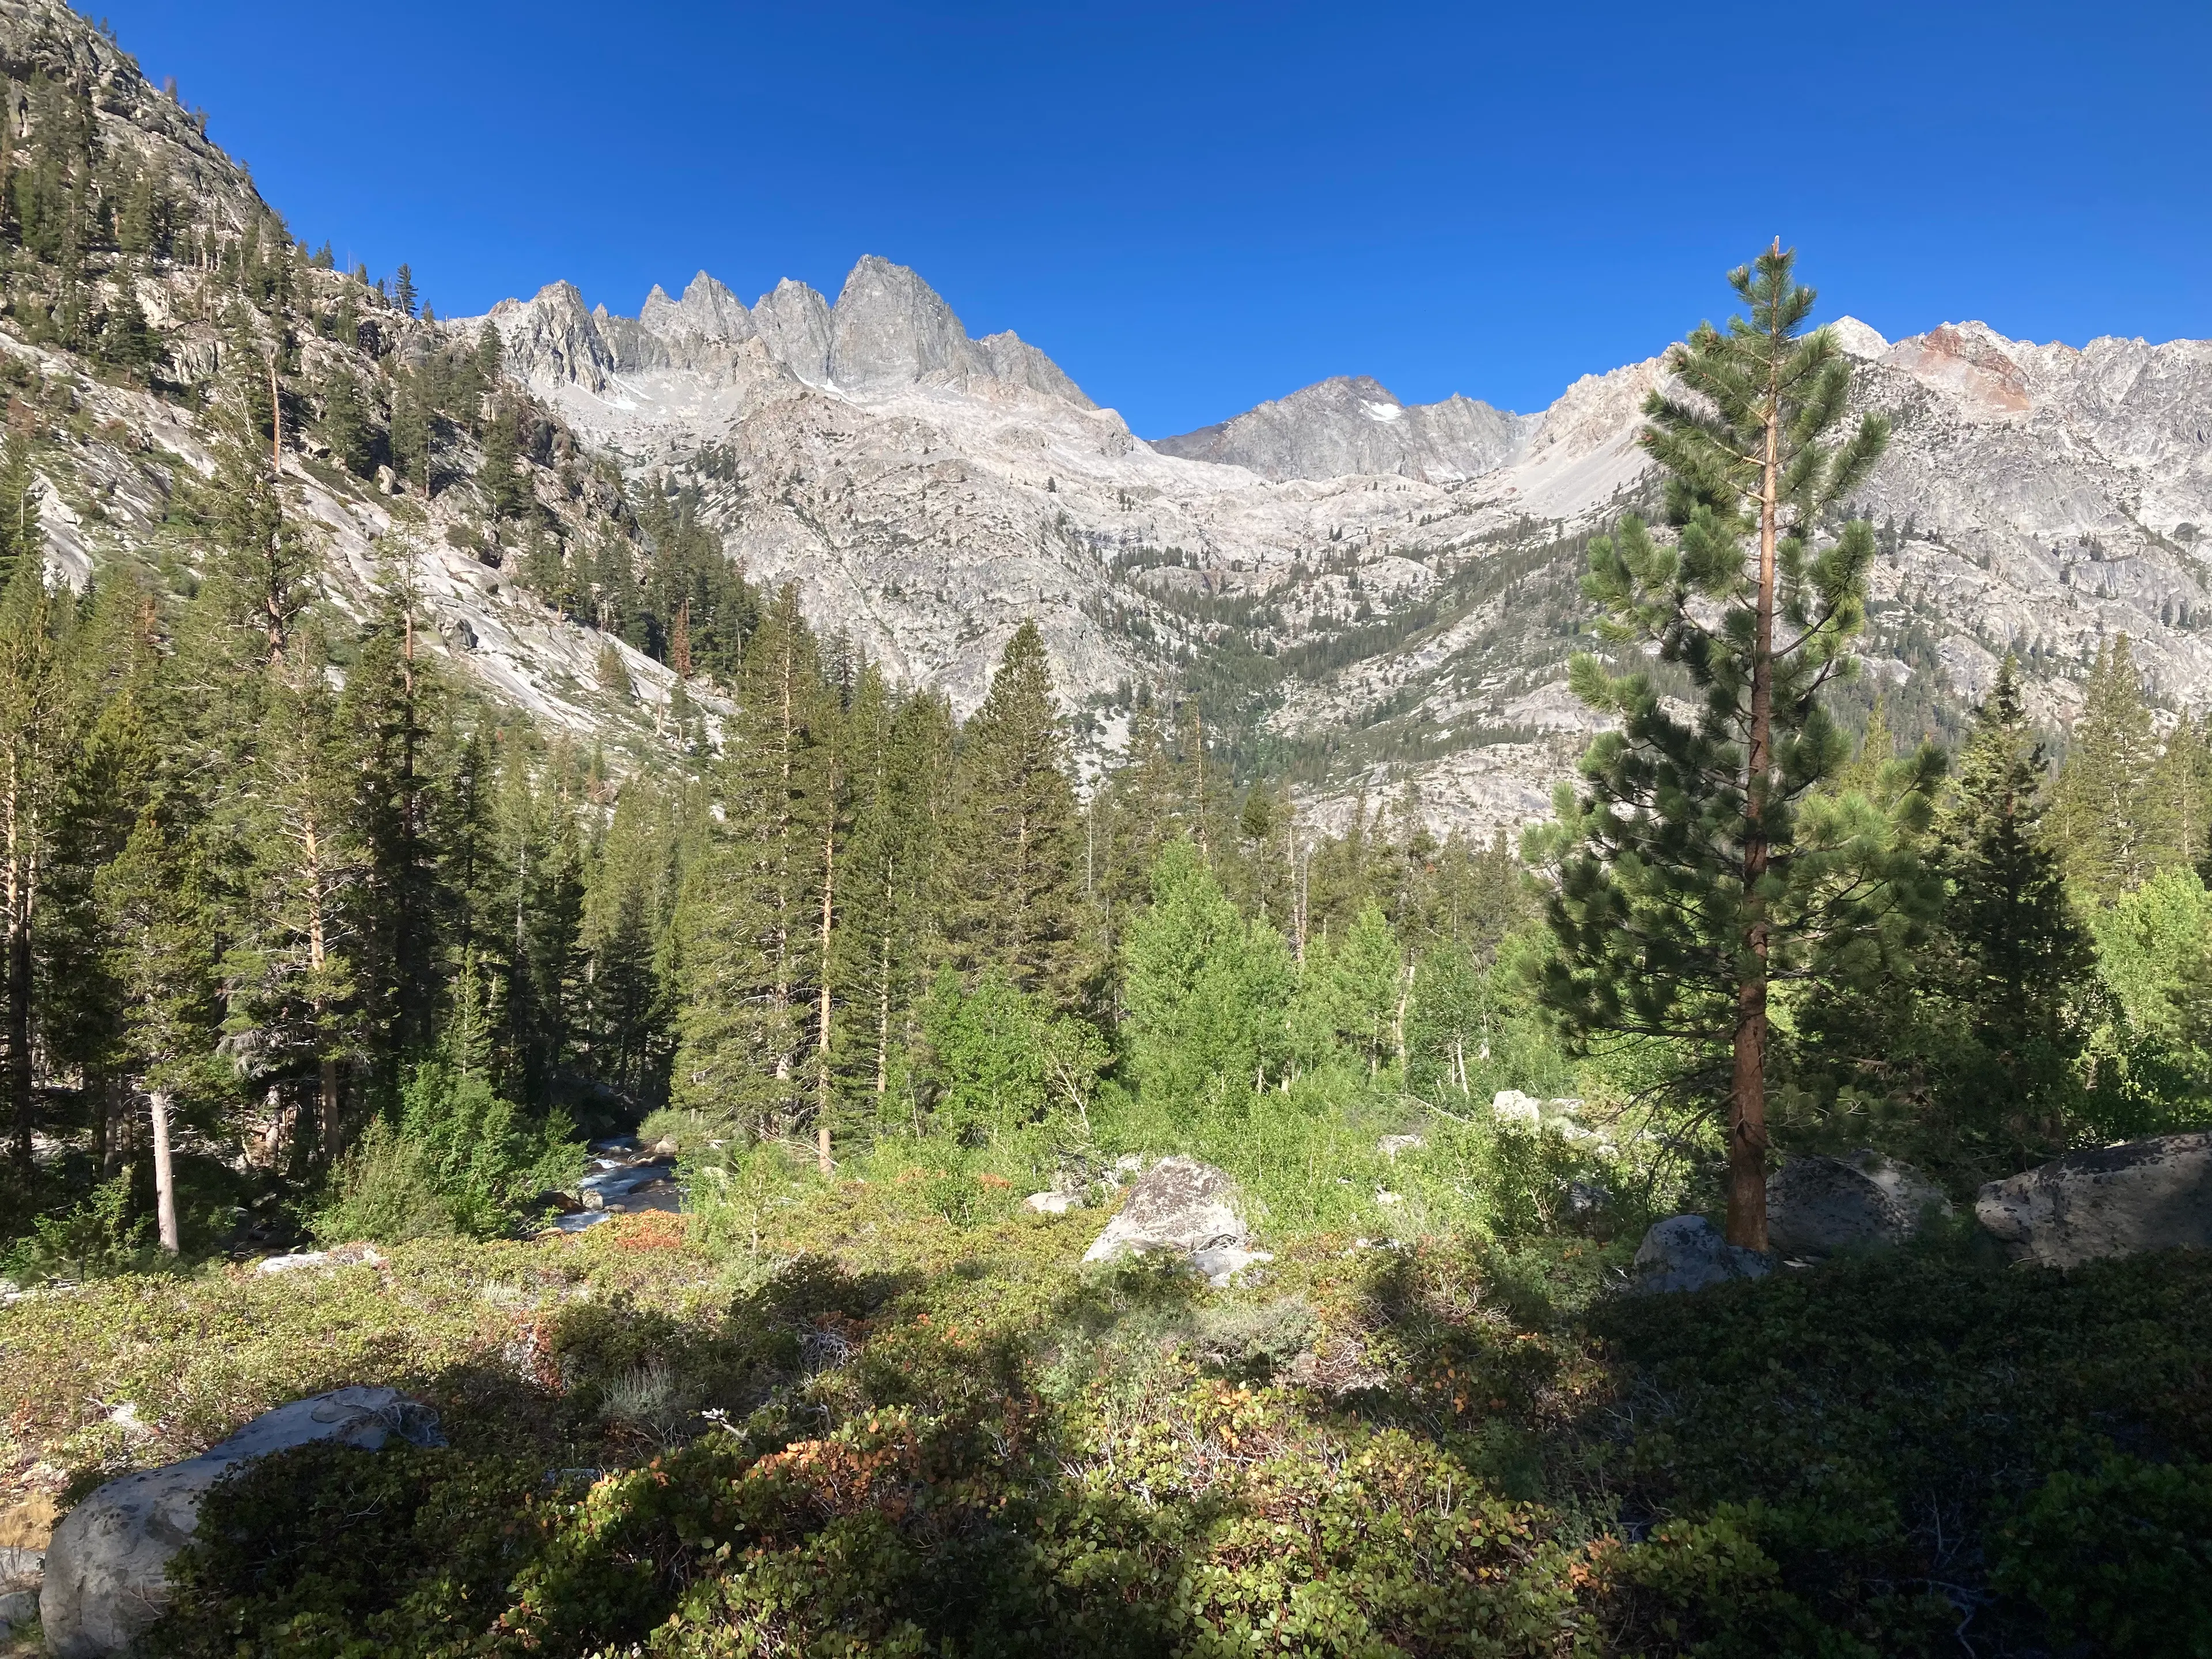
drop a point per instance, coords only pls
(1693, 867)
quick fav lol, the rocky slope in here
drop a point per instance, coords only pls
(117, 444)
(1366, 593)
(1351, 425)
(1408, 615)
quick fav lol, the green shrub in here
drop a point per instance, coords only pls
(2118, 1558)
(102, 1235)
(460, 1161)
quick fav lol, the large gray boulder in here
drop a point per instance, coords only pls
(1687, 1253)
(1861, 1201)
(2153, 1194)
(107, 1566)
(1186, 1206)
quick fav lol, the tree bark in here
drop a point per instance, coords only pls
(19, 1093)
(822, 1015)
(164, 1173)
(1746, 1139)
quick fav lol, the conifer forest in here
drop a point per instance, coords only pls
(797, 1161)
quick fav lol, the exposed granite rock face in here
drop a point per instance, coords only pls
(1686, 1253)
(793, 323)
(1818, 1206)
(929, 492)
(1351, 424)
(2153, 1194)
(890, 330)
(708, 311)
(1185, 1207)
(131, 114)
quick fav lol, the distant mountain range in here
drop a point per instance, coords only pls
(1371, 593)
(1395, 583)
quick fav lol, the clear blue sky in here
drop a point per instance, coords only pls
(1193, 207)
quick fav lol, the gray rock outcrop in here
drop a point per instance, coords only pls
(1351, 425)
(1818, 1206)
(1687, 1253)
(2153, 1194)
(107, 1566)
(1183, 1206)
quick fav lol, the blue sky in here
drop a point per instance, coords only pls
(1193, 207)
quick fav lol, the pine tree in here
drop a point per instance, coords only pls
(21, 536)
(2103, 820)
(391, 710)
(111, 671)
(411, 434)
(490, 360)
(1016, 848)
(899, 757)
(345, 425)
(402, 291)
(748, 922)
(290, 966)
(2181, 796)
(626, 915)
(260, 564)
(2020, 961)
(1141, 808)
(33, 757)
(162, 957)
(1692, 868)
(507, 493)
(1877, 748)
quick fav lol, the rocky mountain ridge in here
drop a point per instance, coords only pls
(1352, 424)
(1364, 597)
(1406, 622)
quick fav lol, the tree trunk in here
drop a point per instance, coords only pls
(103, 1124)
(326, 1104)
(1746, 1139)
(821, 1009)
(883, 1027)
(164, 1173)
(326, 1107)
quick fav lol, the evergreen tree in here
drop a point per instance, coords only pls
(392, 705)
(402, 291)
(1016, 848)
(1877, 748)
(260, 565)
(289, 968)
(34, 747)
(506, 492)
(21, 536)
(345, 425)
(489, 360)
(1208, 992)
(2022, 964)
(111, 670)
(1139, 809)
(626, 915)
(899, 758)
(2181, 796)
(1694, 869)
(411, 432)
(2104, 820)
(748, 922)
(162, 957)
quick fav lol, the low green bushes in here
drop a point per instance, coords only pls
(905, 1419)
(459, 1161)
